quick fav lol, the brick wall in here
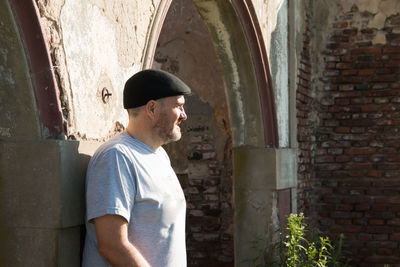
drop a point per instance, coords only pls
(208, 188)
(305, 128)
(357, 139)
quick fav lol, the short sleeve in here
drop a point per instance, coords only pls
(110, 185)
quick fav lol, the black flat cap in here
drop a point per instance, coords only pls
(149, 85)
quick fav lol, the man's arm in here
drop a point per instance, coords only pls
(114, 246)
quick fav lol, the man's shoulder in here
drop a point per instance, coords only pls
(120, 144)
(117, 144)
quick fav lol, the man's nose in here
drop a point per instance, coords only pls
(183, 115)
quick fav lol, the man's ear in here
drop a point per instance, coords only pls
(151, 109)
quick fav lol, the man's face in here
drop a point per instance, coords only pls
(171, 115)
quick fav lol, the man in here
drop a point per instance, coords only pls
(135, 205)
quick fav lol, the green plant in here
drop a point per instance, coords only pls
(300, 248)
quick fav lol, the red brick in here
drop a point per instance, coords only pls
(386, 184)
(342, 102)
(374, 191)
(393, 144)
(380, 237)
(359, 221)
(391, 192)
(395, 237)
(381, 244)
(379, 229)
(324, 159)
(366, 72)
(356, 174)
(365, 64)
(330, 65)
(378, 207)
(370, 108)
(357, 199)
(347, 58)
(362, 207)
(380, 259)
(347, 229)
(342, 24)
(394, 158)
(366, 51)
(331, 73)
(343, 222)
(358, 123)
(394, 21)
(332, 59)
(374, 174)
(388, 200)
(359, 151)
(394, 222)
(361, 100)
(305, 75)
(392, 64)
(395, 85)
(342, 65)
(364, 237)
(383, 71)
(391, 50)
(343, 159)
(339, 52)
(389, 166)
(376, 222)
(349, 72)
(378, 93)
(344, 208)
(350, 31)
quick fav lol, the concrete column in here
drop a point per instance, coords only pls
(42, 201)
(259, 175)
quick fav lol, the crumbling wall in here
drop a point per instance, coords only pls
(354, 95)
(95, 46)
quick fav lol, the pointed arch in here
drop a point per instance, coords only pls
(238, 41)
(42, 76)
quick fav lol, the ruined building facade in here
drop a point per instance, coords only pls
(295, 108)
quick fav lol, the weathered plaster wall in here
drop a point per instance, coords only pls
(95, 45)
(279, 63)
(273, 17)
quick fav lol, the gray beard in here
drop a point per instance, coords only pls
(165, 133)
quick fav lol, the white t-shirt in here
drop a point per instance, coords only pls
(128, 178)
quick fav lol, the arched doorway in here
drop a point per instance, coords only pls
(203, 158)
(257, 162)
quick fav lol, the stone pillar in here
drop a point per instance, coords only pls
(259, 175)
(42, 201)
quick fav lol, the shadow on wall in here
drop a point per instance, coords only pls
(42, 201)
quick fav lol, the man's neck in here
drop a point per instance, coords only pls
(143, 135)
